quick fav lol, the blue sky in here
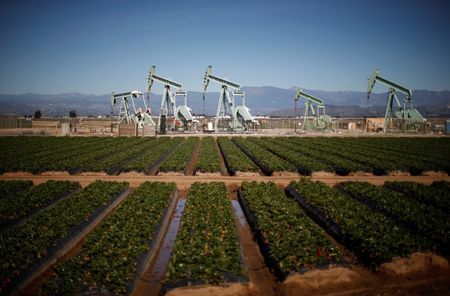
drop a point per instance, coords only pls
(97, 47)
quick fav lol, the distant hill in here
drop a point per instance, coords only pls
(266, 100)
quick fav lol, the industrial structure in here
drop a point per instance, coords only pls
(229, 116)
(407, 118)
(315, 121)
(137, 115)
(171, 116)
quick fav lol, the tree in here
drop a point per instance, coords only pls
(37, 114)
(72, 114)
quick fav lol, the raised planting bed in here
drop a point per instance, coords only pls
(152, 158)
(289, 240)
(208, 159)
(305, 164)
(179, 160)
(431, 195)
(11, 188)
(267, 161)
(235, 159)
(207, 249)
(23, 203)
(340, 165)
(113, 256)
(373, 237)
(27, 246)
(427, 220)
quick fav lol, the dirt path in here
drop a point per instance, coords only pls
(184, 182)
(150, 283)
(190, 168)
(262, 282)
(223, 167)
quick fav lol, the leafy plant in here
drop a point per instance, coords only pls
(180, 158)
(295, 242)
(108, 258)
(208, 159)
(11, 188)
(268, 161)
(207, 247)
(429, 221)
(236, 160)
(374, 237)
(18, 205)
(26, 244)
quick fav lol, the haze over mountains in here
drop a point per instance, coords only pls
(266, 100)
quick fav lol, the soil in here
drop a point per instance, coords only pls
(132, 174)
(416, 264)
(91, 174)
(323, 281)
(184, 182)
(261, 280)
(248, 174)
(170, 174)
(359, 174)
(434, 173)
(399, 173)
(150, 282)
(54, 173)
(322, 175)
(190, 168)
(223, 166)
(290, 174)
(200, 174)
(228, 290)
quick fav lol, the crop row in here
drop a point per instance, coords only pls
(24, 202)
(108, 260)
(390, 154)
(338, 164)
(114, 163)
(304, 164)
(151, 156)
(235, 159)
(428, 220)
(206, 249)
(431, 195)
(178, 161)
(208, 159)
(267, 161)
(26, 244)
(291, 239)
(11, 188)
(379, 160)
(307, 155)
(371, 235)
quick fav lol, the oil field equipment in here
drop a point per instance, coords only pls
(409, 116)
(138, 116)
(229, 116)
(317, 121)
(171, 117)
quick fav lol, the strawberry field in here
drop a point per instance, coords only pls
(189, 216)
(341, 156)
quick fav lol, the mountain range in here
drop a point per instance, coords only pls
(266, 100)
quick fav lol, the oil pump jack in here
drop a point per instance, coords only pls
(138, 116)
(408, 114)
(228, 116)
(169, 114)
(320, 121)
